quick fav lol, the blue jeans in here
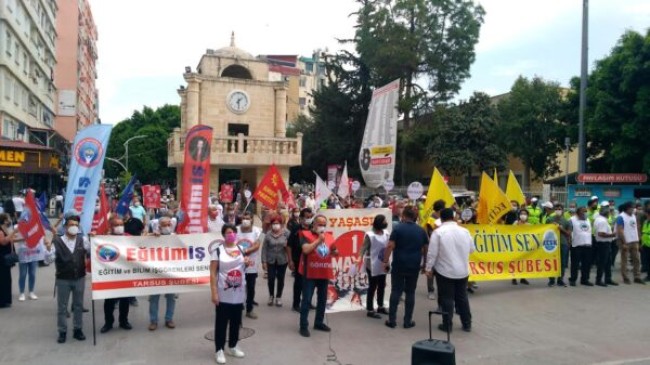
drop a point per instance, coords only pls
(23, 270)
(153, 307)
(308, 286)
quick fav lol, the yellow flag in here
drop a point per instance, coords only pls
(438, 189)
(492, 202)
(513, 190)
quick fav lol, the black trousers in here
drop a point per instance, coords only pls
(581, 257)
(227, 314)
(276, 272)
(402, 283)
(297, 287)
(109, 308)
(603, 260)
(5, 284)
(250, 291)
(452, 293)
(377, 284)
(646, 262)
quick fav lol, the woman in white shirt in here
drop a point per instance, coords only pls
(372, 251)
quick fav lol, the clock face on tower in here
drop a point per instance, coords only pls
(238, 101)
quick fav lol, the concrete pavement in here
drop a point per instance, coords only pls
(512, 325)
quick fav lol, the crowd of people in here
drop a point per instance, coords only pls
(296, 240)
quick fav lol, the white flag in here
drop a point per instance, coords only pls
(322, 192)
(344, 185)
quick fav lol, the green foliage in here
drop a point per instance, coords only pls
(147, 156)
(618, 109)
(531, 125)
(463, 137)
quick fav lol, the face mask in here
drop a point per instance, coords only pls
(558, 212)
(523, 218)
(165, 230)
(276, 226)
(246, 223)
(296, 215)
(572, 210)
(514, 207)
(73, 230)
(137, 204)
(309, 221)
(320, 230)
(231, 237)
(118, 230)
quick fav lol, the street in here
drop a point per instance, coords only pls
(512, 325)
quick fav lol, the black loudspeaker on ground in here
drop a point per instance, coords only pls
(433, 352)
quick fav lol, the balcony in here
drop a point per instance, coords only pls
(241, 151)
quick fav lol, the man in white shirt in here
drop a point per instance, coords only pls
(449, 249)
(581, 251)
(626, 227)
(603, 236)
(19, 204)
(215, 222)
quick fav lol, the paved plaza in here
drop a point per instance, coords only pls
(512, 325)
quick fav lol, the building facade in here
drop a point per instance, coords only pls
(312, 79)
(239, 97)
(76, 71)
(29, 147)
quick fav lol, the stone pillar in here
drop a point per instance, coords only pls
(193, 105)
(280, 111)
(214, 179)
(183, 94)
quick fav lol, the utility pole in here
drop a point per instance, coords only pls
(583, 88)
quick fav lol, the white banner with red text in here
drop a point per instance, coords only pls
(347, 292)
(124, 266)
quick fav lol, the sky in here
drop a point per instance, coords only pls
(144, 45)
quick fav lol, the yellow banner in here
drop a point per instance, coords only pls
(514, 252)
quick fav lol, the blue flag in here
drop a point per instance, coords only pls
(86, 163)
(127, 195)
(41, 204)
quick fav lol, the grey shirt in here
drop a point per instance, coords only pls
(274, 249)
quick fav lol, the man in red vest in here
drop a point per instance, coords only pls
(317, 270)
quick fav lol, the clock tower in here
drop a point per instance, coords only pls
(246, 105)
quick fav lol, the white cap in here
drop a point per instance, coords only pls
(604, 204)
(593, 198)
(548, 205)
(533, 200)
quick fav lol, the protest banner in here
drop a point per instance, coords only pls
(85, 173)
(151, 194)
(29, 222)
(514, 252)
(196, 180)
(125, 266)
(226, 193)
(347, 292)
(100, 219)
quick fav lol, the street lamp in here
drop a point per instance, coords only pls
(126, 149)
(567, 144)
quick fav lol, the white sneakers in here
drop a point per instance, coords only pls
(32, 296)
(220, 357)
(234, 352)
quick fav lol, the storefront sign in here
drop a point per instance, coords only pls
(35, 161)
(612, 178)
(12, 158)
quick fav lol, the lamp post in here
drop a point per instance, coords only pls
(126, 149)
(567, 144)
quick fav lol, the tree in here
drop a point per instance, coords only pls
(464, 137)
(531, 126)
(618, 109)
(147, 156)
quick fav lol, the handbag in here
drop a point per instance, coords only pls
(11, 258)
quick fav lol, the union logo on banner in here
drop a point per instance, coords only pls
(88, 152)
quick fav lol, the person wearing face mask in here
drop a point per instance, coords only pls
(137, 211)
(513, 215)
(231, 215)
(372, 252)
(398, 208)
(165, 228)
(70, 252)
(276, 256)
(626, 226)
(248, 239)
(534, 212)
(305, 219)
(117, 229)
(227, 286)
(523, 220)
(564, 226)
(581, 251)
(215, 222)
(317, 271)
(603, 236)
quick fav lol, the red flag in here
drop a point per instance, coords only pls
(100, 219)
(226, 193)
(29, 223)
(151, 196)
(289, 199)
(196, 178)
(267, 190)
